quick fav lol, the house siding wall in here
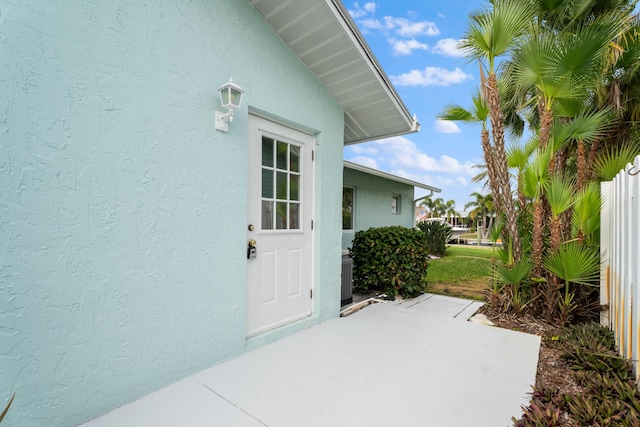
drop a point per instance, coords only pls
(123, 211)
(372, 206)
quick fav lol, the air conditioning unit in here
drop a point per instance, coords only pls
(347, 280)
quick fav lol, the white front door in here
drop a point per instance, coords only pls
(279, 215)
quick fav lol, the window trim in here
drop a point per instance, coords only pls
(398, 200)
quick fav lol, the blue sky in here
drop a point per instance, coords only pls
(415, 44)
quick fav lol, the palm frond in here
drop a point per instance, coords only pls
(575, 263)
(536, 174)
(586, 210)
(456, 113)
(586, 126)
(560, 194)
(516, 273)
(517, 156)
(492, 32)
(608, 163)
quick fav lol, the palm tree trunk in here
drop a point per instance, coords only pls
(501, 169)
(521, 197)
(537, 243)
(546, 120)
(595, 145)
(581, 163)
(555, 231)
(491, 171)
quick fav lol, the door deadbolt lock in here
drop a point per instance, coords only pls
(252, 252)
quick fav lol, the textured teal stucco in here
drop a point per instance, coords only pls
(372, 202)
(123, 211)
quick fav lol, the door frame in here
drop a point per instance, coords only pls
(279, 130)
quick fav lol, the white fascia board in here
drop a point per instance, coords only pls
(375, 172)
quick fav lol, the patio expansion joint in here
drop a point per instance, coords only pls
(419, 301)
(464, 309)
(232, 403)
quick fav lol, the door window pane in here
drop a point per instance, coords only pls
(281, 215)
(281, 186)
(294, 187)
(267, 183)
(267, 152)
(267, 215)
(294, 217)
(294, 160)
(282, 155)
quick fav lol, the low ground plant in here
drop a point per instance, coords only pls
(608, 395)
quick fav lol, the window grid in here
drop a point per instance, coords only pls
(281, 185)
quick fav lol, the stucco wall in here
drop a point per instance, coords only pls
(123, 211)
(372, 202)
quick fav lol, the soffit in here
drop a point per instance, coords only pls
(325, 38)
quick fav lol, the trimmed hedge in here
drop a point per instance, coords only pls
(392, 260)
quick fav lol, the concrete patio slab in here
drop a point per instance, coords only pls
(385, 365)
(443, 306)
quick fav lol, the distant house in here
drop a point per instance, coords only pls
(140, 243)
(372, 198)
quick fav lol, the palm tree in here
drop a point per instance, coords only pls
(428, 203)
(439, 208)
(450, 210)
(535, 182)
(568, 67)
(477, 115)
(518, 158)
(560, 197)
(490, 35)
(483, 208)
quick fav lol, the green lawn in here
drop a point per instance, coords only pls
(464, 272)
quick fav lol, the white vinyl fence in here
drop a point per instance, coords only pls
(620, 256)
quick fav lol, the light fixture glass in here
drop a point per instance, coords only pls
(231, 95)
(231, 99)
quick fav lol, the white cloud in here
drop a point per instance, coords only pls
(446, 126)
(405, 47)
(402, 154)
(365, 161)
(402, 157)
(363, 149)
(358, 11)
(406, 28)
(450, 182)
(401, 27)
(431, 76)
(448, 47)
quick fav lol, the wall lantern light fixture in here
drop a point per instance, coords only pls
(231, 99)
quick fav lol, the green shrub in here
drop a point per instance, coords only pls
(437, 235)
(392, 260)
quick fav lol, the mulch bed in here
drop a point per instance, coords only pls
(553, 371)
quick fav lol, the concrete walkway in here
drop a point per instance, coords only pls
(418, 363)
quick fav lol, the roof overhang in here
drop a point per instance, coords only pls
(325, 38)
(375, 172)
